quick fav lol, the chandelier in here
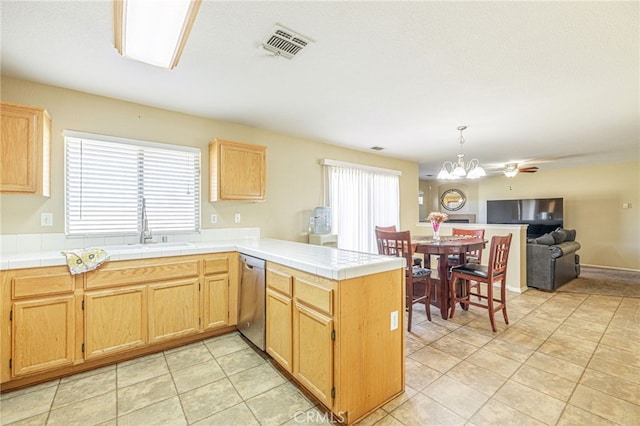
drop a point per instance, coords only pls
(459, 169)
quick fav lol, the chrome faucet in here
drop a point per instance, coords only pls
(145, 235)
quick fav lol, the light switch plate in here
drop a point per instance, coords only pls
(236, 218)
(46, 219)
(394, 320)
(214, 218)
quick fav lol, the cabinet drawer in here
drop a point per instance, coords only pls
(137, 272)
(312, 295)
(280, 281)
(35, 285)
(216, 265)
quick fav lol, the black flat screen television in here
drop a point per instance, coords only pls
(541, 214)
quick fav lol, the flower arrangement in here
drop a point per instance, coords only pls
(436, 219)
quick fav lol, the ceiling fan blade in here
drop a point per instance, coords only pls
(531, 169)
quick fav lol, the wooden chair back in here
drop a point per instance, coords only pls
(399, 244)
(475, 255)
(391, 228)
(498, 257)
(393, 243)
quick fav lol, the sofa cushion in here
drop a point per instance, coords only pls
(546, 240)
(559, 236)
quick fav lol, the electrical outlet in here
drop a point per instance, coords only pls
(46, 219)
(394, 320)
(236, 218)
(214, 218)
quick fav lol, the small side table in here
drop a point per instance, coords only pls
(329, 240)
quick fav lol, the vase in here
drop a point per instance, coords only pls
(436, 230)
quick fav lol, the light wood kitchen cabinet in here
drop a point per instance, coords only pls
(25, 134)
(140, 303)
(237, 171)
(216, 301)
(313, 334)
(115, 320)
(313, 352)
(38, 330)
(279, 317)
(174, 309)
(219, 293)
(58, 324)
(300, 327)
(345, 348)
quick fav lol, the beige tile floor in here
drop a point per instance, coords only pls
(565, 359)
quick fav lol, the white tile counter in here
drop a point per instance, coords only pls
(323, 261)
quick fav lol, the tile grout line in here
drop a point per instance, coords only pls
(589, 362)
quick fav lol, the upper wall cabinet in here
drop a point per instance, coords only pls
(26, 148)
(238, 171)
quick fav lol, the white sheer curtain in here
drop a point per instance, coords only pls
(360, 198)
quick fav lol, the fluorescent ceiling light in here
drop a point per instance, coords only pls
(153, 31)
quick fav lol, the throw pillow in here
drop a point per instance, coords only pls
(571, 234)
(546, 239)
(559, 236)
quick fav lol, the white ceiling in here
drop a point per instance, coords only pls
(549, 83)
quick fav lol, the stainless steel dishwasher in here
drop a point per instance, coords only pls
(251, 317)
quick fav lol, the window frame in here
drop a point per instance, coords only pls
(144, 149)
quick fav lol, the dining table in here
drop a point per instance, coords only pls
(452, 245)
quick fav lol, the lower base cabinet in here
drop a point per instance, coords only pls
(38, 322)
(43, 334)
(279, 311)
(115, 321)
(313, 352)
(336, 337)
(173, 309)
(58, 321)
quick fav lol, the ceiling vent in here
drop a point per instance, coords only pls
(285, 42)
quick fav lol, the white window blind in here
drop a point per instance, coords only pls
(107, 178)
(360, 198)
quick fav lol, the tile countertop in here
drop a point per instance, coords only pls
(323, 261)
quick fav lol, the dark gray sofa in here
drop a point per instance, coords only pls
(552, 259)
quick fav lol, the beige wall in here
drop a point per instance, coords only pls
(294, 175)
(593, 205)
(593, 199)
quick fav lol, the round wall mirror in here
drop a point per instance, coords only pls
(453, 199)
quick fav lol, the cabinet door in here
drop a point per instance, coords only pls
(115, 320)
(43, 334)
(216, 301)
(24, 138)
(173, 309)
(279, 326)
(313, 352)
(238, 171)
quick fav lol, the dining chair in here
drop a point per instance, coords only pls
(417, 261)
(399, 244)
(474, 256)
(487, 275)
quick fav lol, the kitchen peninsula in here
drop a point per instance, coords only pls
(329, 312)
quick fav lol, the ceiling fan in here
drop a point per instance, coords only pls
(512, 169)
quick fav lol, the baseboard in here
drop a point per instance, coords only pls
(609, 267)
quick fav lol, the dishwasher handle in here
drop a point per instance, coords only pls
(250, 262)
